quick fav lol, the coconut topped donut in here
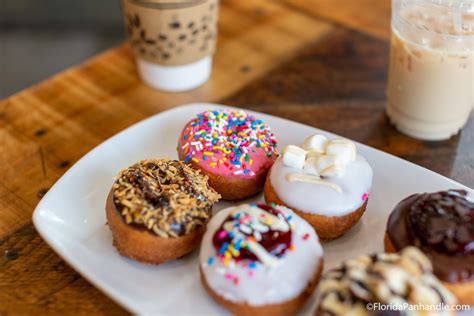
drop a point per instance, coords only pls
(228, 143)
(259, 254)
(165, 197)
(399, 279)
(322, 176)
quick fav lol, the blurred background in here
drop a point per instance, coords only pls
(39, 38)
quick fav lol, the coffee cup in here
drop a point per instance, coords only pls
(173, 41)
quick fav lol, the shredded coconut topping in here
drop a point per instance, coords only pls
(166, 197)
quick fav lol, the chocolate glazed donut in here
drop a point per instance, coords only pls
(441, 224)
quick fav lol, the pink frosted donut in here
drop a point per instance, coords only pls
(234, 149)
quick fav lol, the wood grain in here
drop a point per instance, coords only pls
(45, 129)
(367, 16)
(64, 117)
(339, 85)
(324, 66)
(39, 282)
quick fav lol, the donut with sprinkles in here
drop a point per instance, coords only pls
(260, 259)
(234, 149)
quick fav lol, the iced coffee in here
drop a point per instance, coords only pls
(431, 72)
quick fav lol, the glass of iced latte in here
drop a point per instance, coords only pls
(431, 72)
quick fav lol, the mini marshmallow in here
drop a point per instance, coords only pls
(325, 161)
(294, 156)
(310, 166)
(333, 171)
(320, 157)
(315, 143)
(327, 167)
(344, 151)
(313, 153)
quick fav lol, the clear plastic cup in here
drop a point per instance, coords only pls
(431, 72)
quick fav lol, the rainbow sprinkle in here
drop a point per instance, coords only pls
(237, 238)
(229, 251)
(210, 261)
(228, 138)
(232, 277)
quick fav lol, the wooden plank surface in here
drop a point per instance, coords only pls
(325, 88)
(282, 58)
(61, 119)
(368, 16)
(45, 129)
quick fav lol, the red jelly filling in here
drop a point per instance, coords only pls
(275, 242)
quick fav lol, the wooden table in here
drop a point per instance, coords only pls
(322, 63)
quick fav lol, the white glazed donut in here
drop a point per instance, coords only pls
(269, 277)
(323, 177)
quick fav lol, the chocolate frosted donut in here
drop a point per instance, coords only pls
(159, 202)
(441, 224)
(444, 222)
(360, 284)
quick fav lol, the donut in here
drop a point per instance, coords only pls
(259, 259)
(383, 284)
(234, 149)
(441, 224)
(157, 210)
(324, 181)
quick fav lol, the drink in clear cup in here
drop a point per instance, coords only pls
(172, 40)
(431, 71)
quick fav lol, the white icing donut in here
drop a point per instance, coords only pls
(334, 182)
(262, 282)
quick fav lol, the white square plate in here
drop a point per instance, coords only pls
(71, 217)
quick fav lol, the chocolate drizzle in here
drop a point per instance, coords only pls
(166, 197)
(441, 224)
(403, 278)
